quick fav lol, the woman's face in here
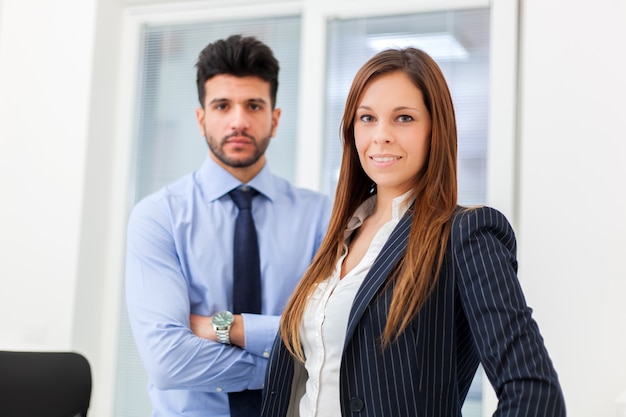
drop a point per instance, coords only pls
(392, 132)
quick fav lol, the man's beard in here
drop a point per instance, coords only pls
(237, 162)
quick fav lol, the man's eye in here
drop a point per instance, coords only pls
(254, 107)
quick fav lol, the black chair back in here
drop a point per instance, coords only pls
(44, 384)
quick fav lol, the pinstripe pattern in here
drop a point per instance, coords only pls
(477, 312)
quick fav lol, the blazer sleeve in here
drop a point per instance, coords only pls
(506, 336)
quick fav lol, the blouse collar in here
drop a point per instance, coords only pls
(399, 207)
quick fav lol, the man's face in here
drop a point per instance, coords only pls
(238, 122)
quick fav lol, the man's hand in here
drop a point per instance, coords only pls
(202, 326)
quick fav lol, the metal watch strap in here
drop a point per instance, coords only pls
(223, 335)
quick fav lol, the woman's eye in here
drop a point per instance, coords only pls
(366, 118)
(405, 118)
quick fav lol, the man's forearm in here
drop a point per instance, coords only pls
(202, 326)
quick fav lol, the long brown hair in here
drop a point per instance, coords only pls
(435, 190)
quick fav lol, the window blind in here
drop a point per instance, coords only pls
(458, 40)
(169, 144)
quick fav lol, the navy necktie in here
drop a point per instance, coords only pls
(246, 287)
(247, 269)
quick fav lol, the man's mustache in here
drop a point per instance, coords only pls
(234, 134)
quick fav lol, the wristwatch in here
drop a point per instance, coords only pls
(221, 324)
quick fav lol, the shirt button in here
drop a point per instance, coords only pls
(219, 389)
(356, 404)
(266, 354)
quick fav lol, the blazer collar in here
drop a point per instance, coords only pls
(388, 257)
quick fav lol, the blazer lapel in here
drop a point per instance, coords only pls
(391, 252)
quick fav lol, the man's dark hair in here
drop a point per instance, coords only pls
(240, 56)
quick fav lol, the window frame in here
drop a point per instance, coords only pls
(502, 142)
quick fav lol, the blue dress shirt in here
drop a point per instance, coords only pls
(179, 262)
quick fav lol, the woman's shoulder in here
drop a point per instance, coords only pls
(469, 220)
(479, 214)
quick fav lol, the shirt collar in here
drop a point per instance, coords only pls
(216, 182)
(399, 207)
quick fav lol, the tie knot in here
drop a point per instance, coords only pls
(242, 197)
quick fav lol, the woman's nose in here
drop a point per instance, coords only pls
(382, 134)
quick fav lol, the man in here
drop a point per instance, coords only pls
(181, 268)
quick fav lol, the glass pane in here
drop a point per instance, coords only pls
(458, 40)
(169, 144)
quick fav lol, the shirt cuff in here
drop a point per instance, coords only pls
(260, 332)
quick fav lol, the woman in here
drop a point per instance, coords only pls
(409, 291)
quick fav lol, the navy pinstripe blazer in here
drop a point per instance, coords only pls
(477, 312)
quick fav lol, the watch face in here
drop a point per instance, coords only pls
(223, 318)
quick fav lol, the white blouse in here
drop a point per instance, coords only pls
(325, 320)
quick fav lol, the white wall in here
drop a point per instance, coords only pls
(45, 76)
(572, 199)
(58, 71)
(60, 212)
